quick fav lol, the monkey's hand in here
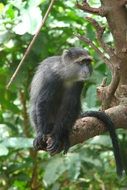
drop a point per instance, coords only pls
(56, 144)
(39, 143)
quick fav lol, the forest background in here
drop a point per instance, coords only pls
(87, 166)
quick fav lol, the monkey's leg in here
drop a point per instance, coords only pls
(43, 127)
(38, 143)
(60, 135)
(44, 111)
(66, 118)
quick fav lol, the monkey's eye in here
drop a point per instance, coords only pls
(87, 61)
(80, 63)
(84, 62)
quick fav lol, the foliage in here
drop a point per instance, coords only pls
(88, 166)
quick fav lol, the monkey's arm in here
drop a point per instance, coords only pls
(43, 106)
(67, 115)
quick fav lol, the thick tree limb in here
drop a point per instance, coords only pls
(88, 127)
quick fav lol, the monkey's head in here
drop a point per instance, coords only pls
(77, 64)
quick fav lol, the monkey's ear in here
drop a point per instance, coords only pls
(65, 54)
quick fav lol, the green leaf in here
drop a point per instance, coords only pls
(91, 96)
(15, 142)
(1, 7)
(4, 36)
(54, 170)
(10, 13)
(103, 140)
(73, 162)
(30, 21)
(34, 3)
(3, 150)
(89, 159)
(90, 32)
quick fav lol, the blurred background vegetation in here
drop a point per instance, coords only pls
(89, 166)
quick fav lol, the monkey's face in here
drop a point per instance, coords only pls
(84, 69)
(77, 65)
(78, 71)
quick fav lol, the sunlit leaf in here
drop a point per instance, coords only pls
(10, 12)
(101, 140)
(54, 170)
(16, 142)
(29, 22)
(74, 165)
(1, 7)
(3, 150)
(91, 96)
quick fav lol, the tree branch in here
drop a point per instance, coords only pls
(114, 83)
(106, 93)
(86, 7)
(99, 32)
(88, 127)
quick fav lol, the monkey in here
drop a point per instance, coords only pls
(55, 102)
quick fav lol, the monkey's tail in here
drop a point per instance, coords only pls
(102, 116)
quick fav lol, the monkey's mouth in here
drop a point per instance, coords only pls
(85, 76)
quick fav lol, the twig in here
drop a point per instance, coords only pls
(31, 44)
(103, 84)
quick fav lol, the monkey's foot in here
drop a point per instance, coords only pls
(39, 143)
(56, 145)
